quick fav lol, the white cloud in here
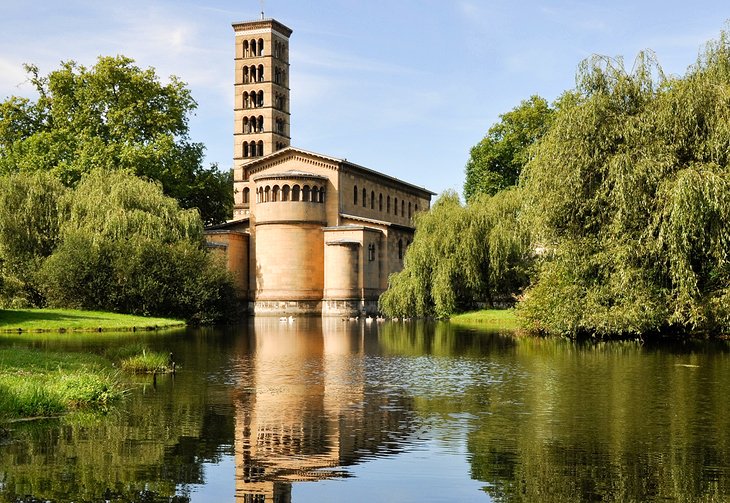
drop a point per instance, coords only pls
(13, 79)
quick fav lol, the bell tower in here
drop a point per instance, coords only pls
(261, 104)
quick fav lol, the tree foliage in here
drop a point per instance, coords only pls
(112, 116)
(127, 247)
(30, 212)
(497, 161)
(629, 191)
(461, 256)
(115, 242)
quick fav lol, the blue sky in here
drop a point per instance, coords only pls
(405, 87)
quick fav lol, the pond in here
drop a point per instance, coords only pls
(332, 410)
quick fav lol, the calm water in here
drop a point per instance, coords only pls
(343, 411)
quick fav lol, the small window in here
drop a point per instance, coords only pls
(395, 206)
(380, 202)
(371, 252)
(354, 196)
(372, 200)
(364, 198)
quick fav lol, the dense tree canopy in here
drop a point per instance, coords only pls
(30, 213)
(115, 242)
(112, 116)
(461, 257)
(497, 161)
(629, 192)
(625, 192)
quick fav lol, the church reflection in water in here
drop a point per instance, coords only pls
(307, 407)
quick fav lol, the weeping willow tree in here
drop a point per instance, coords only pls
(125, 246)
(629, 194)
(30, 212)
(461, 256)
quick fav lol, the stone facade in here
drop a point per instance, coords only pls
(321, 234)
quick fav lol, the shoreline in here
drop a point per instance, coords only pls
(24, 321)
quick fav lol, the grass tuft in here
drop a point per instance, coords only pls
(35, 383)
(147, 362)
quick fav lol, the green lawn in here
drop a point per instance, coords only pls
(497, 318)
(42, 320)
(35, 383)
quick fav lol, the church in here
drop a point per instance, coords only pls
(311, 233)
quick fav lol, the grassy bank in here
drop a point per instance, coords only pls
(37, 383)
(488, 318)
(69, 320)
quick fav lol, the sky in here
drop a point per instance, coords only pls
(405, 87)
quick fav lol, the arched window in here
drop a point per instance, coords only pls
(400, 249)
(402, 207)
(252, 74)
(388, 210)
(372, 200)
(258, 195)
(275, 194)
(321, 195)
(246, 195)
(245, 149)
(315, 194)
(267, 194)
(253, 48)
(305, 193)
(409, 209)
(261, 73)
(285, 193)
(246, 104)
(295, 193)
(245, 48)
(364, 197)
(260, 124)
(245, 75)
(261, 47)
(245, 125)
(354, 196)
(395, 206)
(380, 202)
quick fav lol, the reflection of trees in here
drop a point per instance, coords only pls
(305, 407)
(145, 450)
(558, 421)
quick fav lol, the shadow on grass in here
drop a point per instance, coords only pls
(14, 318)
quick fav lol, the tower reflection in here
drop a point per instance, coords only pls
(306, 408)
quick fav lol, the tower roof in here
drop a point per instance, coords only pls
(262, 24)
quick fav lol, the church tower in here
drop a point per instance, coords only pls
(261, 106)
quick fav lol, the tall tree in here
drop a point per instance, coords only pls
(497, 161)
(127, 247)
(112, 116)
(30, 211)
(462, 256)
(629, 192)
